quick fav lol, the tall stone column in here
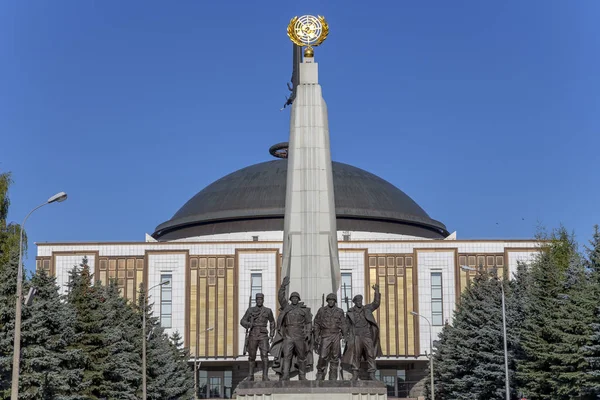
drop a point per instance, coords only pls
(310, 252)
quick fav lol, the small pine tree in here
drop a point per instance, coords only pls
(8, 291)
(183, 372)
(86, 301)
(542, 371)
(50, 369)
(122, 373)
(168, 375)
(592, 349)
(469, 359)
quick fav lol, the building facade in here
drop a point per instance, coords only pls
(225, 244)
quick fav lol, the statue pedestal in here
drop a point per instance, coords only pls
(312, 390)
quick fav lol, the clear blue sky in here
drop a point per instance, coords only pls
(485, 113)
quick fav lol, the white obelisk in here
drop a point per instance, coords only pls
(310, 252)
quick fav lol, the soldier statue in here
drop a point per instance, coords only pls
(292, 343)
(363, 336)
(329, 329)
(257, 335)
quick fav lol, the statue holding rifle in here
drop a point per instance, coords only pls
(329, 327)
(258, 336)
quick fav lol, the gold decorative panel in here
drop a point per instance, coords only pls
(212, 297)
(394, 274)
(128, 273)
(488, 261)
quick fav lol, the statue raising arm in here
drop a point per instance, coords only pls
(376, 299)
(281, 295)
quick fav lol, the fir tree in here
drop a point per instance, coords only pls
(183, 372)
(168, 374)
(592, 349)
(122, 373)
(49, 369)
(545, 371)
(469, 359)
(8, 292)
(107, 337)
(85, 300)
(574, 316)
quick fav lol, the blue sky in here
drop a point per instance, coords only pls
(485, 113)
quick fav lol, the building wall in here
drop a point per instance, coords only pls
(211, 281)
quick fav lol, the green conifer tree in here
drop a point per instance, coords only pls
(592, 349)
(469, 358)
(86, 300)
(49, 368)
(8, 292)
(168, 374)
(122, 374)
(555, 324)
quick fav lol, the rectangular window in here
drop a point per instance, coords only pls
(166, 301)
(437, 315)
(202, 384)
(346, 290)
(255, 286)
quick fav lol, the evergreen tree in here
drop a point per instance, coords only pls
(469, 359)
(556, 321)
(49, 369)
(107, 336)
(85, 300)
(168, 374)
(8, 292)
(574, 316)
(592, 349)
(122, 373)
(183, 371)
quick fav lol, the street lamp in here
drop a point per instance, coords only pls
(465, 268)
(14, 394)
(196, 363)
(144, 337)
(430, 350)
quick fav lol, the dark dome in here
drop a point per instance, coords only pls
(253, 199)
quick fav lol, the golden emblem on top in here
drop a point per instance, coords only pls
(309, 31)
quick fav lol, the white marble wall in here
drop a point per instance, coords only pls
(173, 264)
(64, 264)
(354, 263)
(514, 257)
(428, 262)
(264, 262)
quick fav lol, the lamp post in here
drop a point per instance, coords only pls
(14, 394)
(506, 379)
(144, 337)
(430, 351)
(196, 363)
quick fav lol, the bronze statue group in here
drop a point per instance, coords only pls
(296, 335)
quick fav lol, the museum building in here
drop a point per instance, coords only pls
(225, 244)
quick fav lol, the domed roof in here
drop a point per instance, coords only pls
(253, 199)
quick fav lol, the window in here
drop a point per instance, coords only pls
(437, 315)
(346, 291)
(166, 301)
(214, 384)
(227, 384)
(215, 389)
(202, 384)
(255, 286)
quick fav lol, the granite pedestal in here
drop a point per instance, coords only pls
(311, 390)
